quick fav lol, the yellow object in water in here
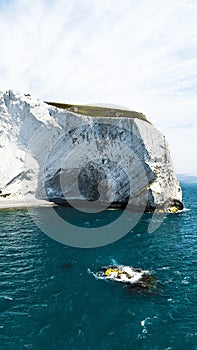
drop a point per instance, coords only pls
(173, 209)
(110, 270)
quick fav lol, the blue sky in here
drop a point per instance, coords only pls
(139, 54)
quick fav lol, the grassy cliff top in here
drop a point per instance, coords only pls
(96, 111)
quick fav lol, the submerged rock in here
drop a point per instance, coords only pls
(67, 265)
(84, 154)
(128, 275)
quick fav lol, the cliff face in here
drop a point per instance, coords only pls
(110, 157)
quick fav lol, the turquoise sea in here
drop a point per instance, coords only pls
(48, 300)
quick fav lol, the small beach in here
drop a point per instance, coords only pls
(24, 203)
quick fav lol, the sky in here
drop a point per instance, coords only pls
(138, 54)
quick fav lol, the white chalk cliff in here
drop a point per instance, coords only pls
(110, 156)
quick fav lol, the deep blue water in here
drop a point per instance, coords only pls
(48, 300)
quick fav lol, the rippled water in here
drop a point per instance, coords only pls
(49, 301)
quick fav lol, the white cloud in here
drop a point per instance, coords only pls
(141, 54)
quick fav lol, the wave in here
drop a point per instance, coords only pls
(183, 210)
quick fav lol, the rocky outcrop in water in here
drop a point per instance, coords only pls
(79, 154)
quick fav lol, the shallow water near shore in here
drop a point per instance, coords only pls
(48, 300)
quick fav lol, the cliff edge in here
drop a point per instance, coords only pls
(86, 154)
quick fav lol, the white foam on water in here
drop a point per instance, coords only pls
(164, 268)
(185, 281)
(7, 298)
(143, 324)
(183, 210)
(95, 275)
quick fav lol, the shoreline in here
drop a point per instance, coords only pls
(36, 203)
(24, 203)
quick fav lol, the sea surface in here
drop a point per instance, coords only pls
(49, 300)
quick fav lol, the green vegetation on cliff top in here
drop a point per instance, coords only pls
(96, 111)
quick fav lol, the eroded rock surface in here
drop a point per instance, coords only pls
(116, 157)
